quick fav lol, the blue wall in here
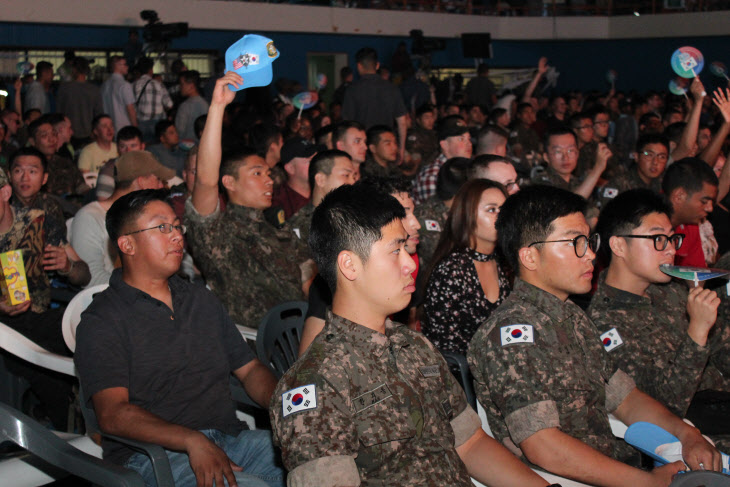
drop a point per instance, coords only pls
(641, 64)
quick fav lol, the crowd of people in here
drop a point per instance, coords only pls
(528, 234)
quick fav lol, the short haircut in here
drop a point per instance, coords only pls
(323, 163)
(367, 56)
(345, 71)
(42, 67)
(576, 119)
(145, 64)
(626, 211)
(528, 216)
(55, 118)
(233, 158)
(29, 113)
(482, 163)
(80, 66)
(190, 76)
(648, 139)
(97, 119)
(36, 124)
(483, 69)
(262, 135)
(350, 217)
(130, 132)
(598, 110)
(521, 107)
(451, 177)
(495, 114)
(689, 174)
(342, 128)
(320, 136)
(644, 119)
(557, 131)
(28, 151)
(125, 211)
(199, 125)
(673, 132)
(489, 136)
(391, 185)
(113, 62)
(161, 127)
(423, 109)
(375, 132)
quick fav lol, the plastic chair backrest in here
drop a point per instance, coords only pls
(26, 349)
(458, 364)
(36, 439)
(72, 315)
(279, 334)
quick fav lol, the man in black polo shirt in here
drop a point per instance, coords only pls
(373, 101)
(154, 354)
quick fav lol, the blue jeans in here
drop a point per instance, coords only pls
(251, 449)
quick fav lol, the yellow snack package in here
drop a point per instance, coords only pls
(14, 283)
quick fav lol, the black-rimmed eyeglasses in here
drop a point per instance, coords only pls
(163, 228)
(661, 240)
(581, 243)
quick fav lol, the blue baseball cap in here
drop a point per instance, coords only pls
(251, 57)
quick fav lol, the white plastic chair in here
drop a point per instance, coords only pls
(72, 315)
(553, 479)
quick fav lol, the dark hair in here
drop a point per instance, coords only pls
(495, 114)
(644, 119)
(461, 224)
(55, 118)
(391, 185)
(482, 69)
(625, 212)
(113, 61)
(423, 109)
(482, 163)
(262, 135)
(127, 209)
(145, 64)
(79, 66)
(673, 132)
(521, 107)
(648, 139)
(374, 133)
(598, 110)
(350, 217)
(557, 131)
(28, 151)
(528, 216)
(342, 128)
(42, 67)
(689, 174)
(577, 118)
(233, 158)
(451, 177)
(320, 136)
(36, 124)
(345, 71)
(29, 112)
(367, 57)
(191, 76)
(161, 127)
(130, 132)
(323, 163)
(199, 125)
(97, 119)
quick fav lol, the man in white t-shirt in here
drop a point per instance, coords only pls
(94, 155)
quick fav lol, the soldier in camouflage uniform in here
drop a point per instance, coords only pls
(371, 402)
(540, 370)
(652, 153)
(248, 263)
(667, 337)
(422, 145)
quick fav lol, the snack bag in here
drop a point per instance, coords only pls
(14, 283)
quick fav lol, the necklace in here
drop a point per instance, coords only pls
(478, 256)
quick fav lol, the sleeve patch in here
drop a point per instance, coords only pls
(514, 334)
(610, 192)
(611, 339)
(432, 226)
(300, 399)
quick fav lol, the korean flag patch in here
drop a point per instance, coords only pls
(611, 339)
(432, 226)
(514, 334)
(300, 399)
(610, 192)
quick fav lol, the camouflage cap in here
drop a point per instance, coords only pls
(138, 163)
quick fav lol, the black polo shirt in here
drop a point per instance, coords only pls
(176, 365)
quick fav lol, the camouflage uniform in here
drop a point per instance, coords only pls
(248, 264)
(64, 177)
(422, 145)
(551, 178)
(371, 169)
(624, 181)
(656, 351)
(524, 140)
(432, 216)
(562, 379)
(387, 411)
(27, 234)
(301, 222)
(587, 159)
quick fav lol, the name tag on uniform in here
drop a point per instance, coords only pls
(430, 371)
(300, 399)
(514, 334)
(432, 225)
(611, 339)
(371, 398)
(448, 409)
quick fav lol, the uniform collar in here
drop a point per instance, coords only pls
(245, 213)
(131, 295)
(606, 294)
(363, 337)
(546, 302)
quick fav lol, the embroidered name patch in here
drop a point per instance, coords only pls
(432, 226)
(430, 371)
(300, 399)
(611, 339)
(513, 334)
(371, 398)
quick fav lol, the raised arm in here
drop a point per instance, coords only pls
(689, 134)
(603, 154)
(709, 155)
(205, 191)
(118, 417)
(542, 67)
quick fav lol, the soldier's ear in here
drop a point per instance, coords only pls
(347, 263)
(319, 179)
(126, 244)
(618, 246)
(227, 181)
(528, 258)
